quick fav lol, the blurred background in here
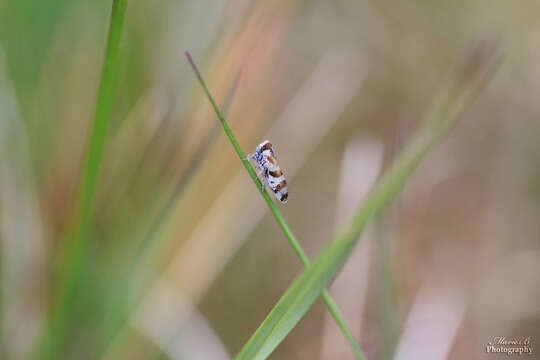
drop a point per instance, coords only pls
(184, 260)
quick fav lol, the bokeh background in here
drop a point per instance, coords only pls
(184, 260)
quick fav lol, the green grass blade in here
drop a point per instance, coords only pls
(332, 307)
(386, 297)
(306, 288)
(182, 184)
(55, 331)
(103, 111)
(121, 313)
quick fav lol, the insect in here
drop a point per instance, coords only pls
(266, 161)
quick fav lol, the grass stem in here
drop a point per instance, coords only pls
(334, 310)
(51, 343)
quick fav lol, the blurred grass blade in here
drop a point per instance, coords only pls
(103, 112)
(146, 248)
(55, 333)
(202, 150)
(386, 297)
(332, 306)
(297, 300)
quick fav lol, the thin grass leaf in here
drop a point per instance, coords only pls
(182, 184)
(146, 249)
(332, 307)
(297, 300)
(386, 298)
(55, 332)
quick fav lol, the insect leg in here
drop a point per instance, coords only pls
(251, 156)
(265, 172)
(260, 176)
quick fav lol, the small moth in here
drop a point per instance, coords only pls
(266, 161)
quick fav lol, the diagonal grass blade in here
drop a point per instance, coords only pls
(297, 300)
(279, 218)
